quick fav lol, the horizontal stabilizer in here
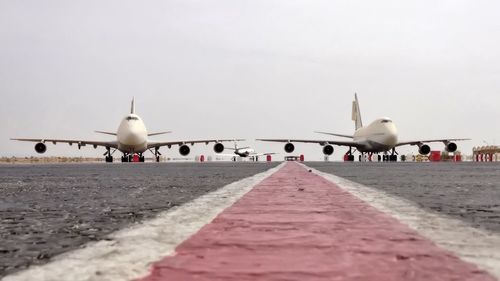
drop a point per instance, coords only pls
(106, 133)
(159, 133)
(337, 135)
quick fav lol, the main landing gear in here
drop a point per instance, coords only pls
(109, 155)
(156, 154)
(349, 155)
(129, 157)
(393, 157)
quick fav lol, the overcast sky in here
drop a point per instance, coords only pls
(250, 69)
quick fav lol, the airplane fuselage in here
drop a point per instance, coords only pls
(244, 152)
(132, 135)
(380, 136)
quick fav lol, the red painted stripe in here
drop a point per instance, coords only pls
(298, 226)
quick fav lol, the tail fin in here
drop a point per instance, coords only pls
(356, 113)
(132, 106)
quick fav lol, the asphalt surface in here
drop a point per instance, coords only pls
(46, 210)
(466, 191)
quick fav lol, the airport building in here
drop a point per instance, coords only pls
(490, 153)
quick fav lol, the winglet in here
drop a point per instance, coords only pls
(132, 106)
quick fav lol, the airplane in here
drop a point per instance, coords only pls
(380, 136)
(244, 152)
(131, 139)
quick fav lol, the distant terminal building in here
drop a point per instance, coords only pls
(490, 153)
(436, 156)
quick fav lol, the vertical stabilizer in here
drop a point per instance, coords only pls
(132, 106)
(356, 113)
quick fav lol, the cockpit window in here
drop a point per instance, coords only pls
(386, 121)
(132, 118)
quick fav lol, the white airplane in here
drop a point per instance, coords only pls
(244, 152)
(379, 136)
(131, 138)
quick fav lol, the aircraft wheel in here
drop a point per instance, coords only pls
(393, 158)
(142, 159)
(157, 158)
(379, 158)
(109, 159)
(350, 158)
(124, 159)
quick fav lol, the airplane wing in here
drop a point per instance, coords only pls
(262, 154)
(321, 142)
(335, 134)
(80, 143)
(226, 155)
(419, 142)
(192, 142)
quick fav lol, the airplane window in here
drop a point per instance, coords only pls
(386, 121)
(132, 118)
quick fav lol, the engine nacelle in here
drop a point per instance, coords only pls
(40, 147)
(289, 147)
(424, 149)
(451, 147)
(184, 150)
(218, 147)
(328, 150)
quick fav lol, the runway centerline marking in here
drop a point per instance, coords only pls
(478, 246)
(128, 253)
(297, 225)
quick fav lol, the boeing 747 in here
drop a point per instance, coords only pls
(380, 136)
(131, 138)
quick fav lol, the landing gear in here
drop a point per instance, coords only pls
(125, 158)
(141, 158)
(157, 154)
(349, 157)
(393, 157)
(109, 155)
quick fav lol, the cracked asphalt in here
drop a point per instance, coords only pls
(46, 210)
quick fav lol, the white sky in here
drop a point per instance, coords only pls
(251, 69)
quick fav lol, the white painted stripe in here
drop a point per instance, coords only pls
(129, 252)
(480, 247)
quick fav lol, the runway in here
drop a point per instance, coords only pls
(46, 210)
(281, 224)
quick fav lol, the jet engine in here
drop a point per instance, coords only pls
(424, 149)
(184, 150)
(289, 147)
(328, 149)
(451, 147)
(40, 147)
(218, 147)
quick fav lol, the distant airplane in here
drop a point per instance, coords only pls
(131, 138)
(244, 152)
(380, 136)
